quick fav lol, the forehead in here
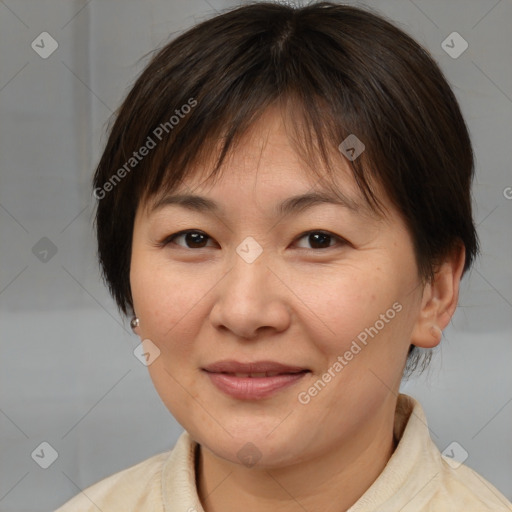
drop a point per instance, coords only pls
(266, 166)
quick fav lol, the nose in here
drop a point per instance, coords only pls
(251, 300)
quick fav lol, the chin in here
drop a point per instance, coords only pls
(263, 455)
(258, 443)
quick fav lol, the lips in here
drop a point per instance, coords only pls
(253, 381)
(256, 369)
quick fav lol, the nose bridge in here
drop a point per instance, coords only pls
(249, 269)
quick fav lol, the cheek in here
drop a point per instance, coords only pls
(342, 303)
(169, 302)
(361, 322)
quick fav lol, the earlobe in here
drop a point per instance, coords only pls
(134, 324)
(439, 300)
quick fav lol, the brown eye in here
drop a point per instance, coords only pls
(320, 239)
(192, 239)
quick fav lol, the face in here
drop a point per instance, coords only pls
(287, 328)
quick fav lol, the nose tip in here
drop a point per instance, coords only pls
(250, 301)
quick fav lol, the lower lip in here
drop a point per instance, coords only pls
(253, 388)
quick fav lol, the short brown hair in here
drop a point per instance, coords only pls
(339, 70)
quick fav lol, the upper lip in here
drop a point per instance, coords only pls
(230, 366)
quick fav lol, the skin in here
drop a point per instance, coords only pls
(296, 304)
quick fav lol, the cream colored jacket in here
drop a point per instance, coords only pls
(417, 478)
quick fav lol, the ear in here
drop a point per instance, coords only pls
(439, 300)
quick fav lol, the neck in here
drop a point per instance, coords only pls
(331, 481)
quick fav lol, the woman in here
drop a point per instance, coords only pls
(284, 210)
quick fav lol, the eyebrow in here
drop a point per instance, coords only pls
(290, 205)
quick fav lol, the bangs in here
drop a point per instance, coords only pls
(311, 131)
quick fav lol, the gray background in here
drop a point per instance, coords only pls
(68, 374)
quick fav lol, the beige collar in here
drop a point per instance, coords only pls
(394, 484)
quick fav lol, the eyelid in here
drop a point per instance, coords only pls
(169, 238)
(341, 241)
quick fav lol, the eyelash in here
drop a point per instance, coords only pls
(170, 239)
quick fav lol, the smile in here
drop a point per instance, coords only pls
(253, 381)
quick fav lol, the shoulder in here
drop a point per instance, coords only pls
(465, 489)
(418, 477)
(133, 489)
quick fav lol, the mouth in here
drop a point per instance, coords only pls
(253, 381)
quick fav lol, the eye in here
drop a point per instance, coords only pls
(321, 239)
(193, 239)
